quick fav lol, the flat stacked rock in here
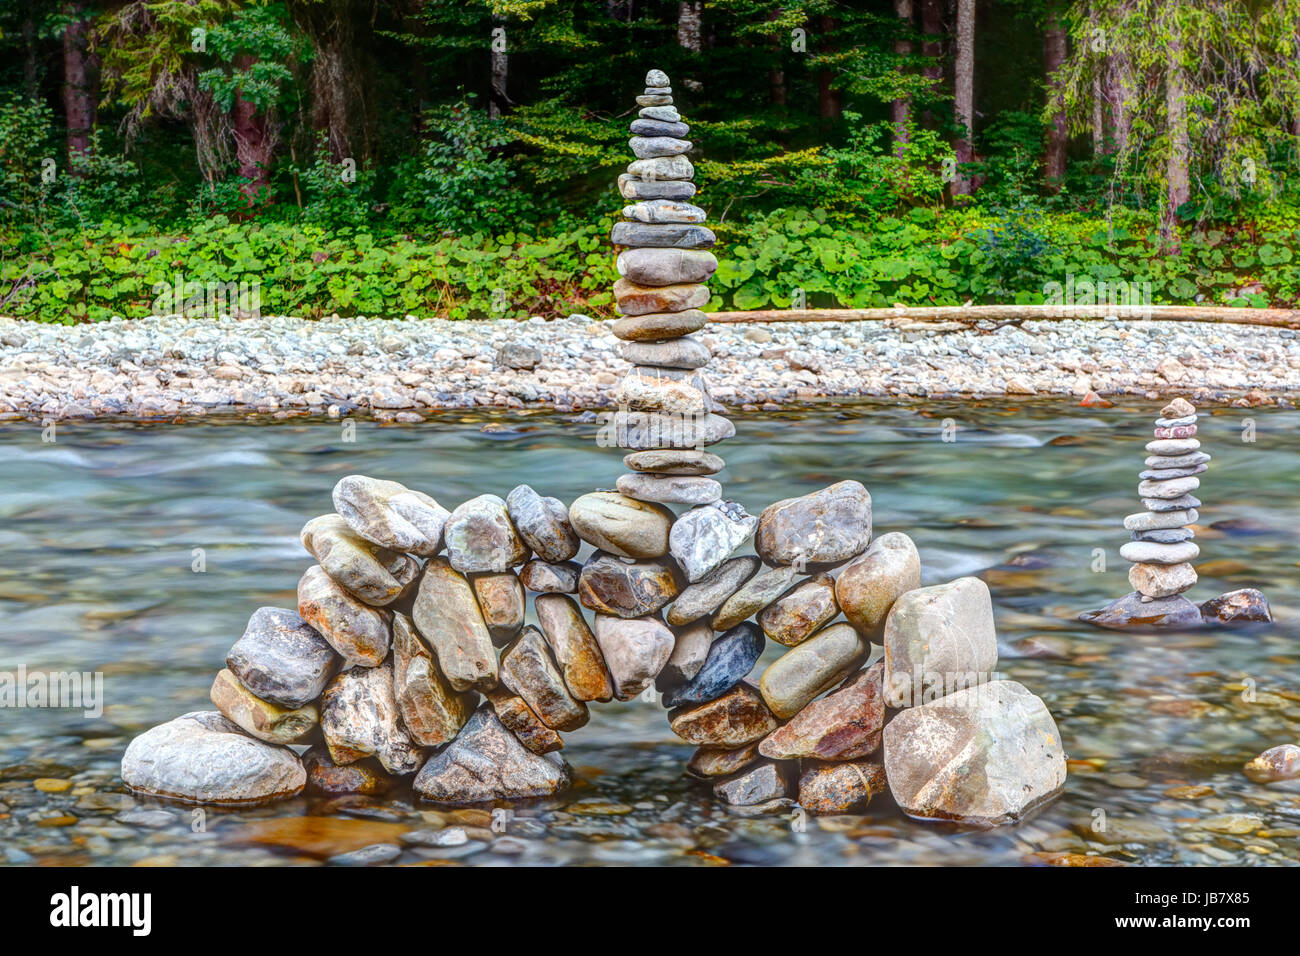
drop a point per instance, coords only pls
(666, 416)
(1162, 547)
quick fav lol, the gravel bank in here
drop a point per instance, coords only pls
(401, 369)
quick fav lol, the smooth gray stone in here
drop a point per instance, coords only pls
(1149, 552)
(650, 127)
(360, 718)
(1165, 535)
(666, 266)
(1181, 503)
(1172, 447)
(652, 100)
(542, 523)
(390, 514)
(543, 577)
(1175, 422)
(281, 658)
(664, 114)
(654, 147)
(644, 431)
(658, 91)
(481, 537)
(662, 167)
(674, 462)
(768, 781)
(656, 78)
(662, 235)
(664, 210)
(1169, 487)
(1177, 461)
(1161, 474)
(634, 187)
(377, 854)
(1132, 613)
(203, 757)
(1148, 521)
(684, 352)
(669, 489)
(704, 537)
(708, 594)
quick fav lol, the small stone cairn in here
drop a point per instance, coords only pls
(410, 657)
(1162, 549)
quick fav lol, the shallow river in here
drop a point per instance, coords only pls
(99, 535)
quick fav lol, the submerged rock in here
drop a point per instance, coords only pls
(721, 761)
(359, 718)
(1132, 613)
(486, 762)
(202, 757)
(824, 527)
(1237, 607)
(281, 658)
(1274, 764)
(365, 777)
(983, 756)
(369, 571)
(840, 787)
(390, 514)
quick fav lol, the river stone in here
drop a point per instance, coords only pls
(262, 719)
(545, 578)
(1181, 503)
(659, 393)
(867, 587)
(622, 525)
(707, 595)
(840, 787)
(1167, 536)
(635, 651)
(1274, 764)
(643, 431)
(1172, 447)
(939, 639)
(793, 616)
(520, 719)
(754, 595)
(646, 126)
(1168, 488)
(625, 587)
(736, 718)
(766, 781)
(666, 235)
(431, 710)
(824, 527)
(1175, 431)
(358, 632)
(690, 651)
(721, 761)
(359, 718)
(480, 537)
(666, 210)
(804, 672)
(501, 601)
(1161, 580)
(574, 647)
(527, 670)
(664, 114)
(731, 657)
(656, 78)
(664, 268)
(634, 187)
(1160, 474)
(658, 325)
(1131, 612)
(661, 167)
(704, 537)
(843, 725)
(372, 573)
(1237, 607)
(667, 461)
(1150, 521)
(281, 658)
(365, 777)
(487, 762)
(203, 757)
(1150, 552)
(1177, 461)
(651, 99)
(651, 147)
(542, 523)
(984, 756)
(390, 514)
(682, 352)
(1173, 421)
(447, 615)
(669, 489)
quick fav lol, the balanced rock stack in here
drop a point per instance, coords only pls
(665, 415)
(1162, 546)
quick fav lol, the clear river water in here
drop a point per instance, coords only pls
(100, 528)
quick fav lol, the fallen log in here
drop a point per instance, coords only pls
(1275, 318)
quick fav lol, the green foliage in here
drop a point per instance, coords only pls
(254, 49)
(336, 193)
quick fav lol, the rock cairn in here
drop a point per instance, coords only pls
(665, 416)
(1162, 546)
(412, 656)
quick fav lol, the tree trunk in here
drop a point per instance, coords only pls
(31, 74)
(1177, 170)
(340, 35)
(78, 81)
(254, 144)
(828, 98)
(620, 10)
(1121, 89)
(1054, 54)
(498, 100)
(964, 92)
(690, 25)
(776, 75)
(900, 110)
(932, 49)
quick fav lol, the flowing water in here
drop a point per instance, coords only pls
(103, 530)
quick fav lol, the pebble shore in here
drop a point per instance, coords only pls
(401, 369)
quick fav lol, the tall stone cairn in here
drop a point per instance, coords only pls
(665, 416)
(1162, 548)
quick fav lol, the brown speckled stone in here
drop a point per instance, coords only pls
(736, 718)
(840, 787)
(574, 647)
(843, 725)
